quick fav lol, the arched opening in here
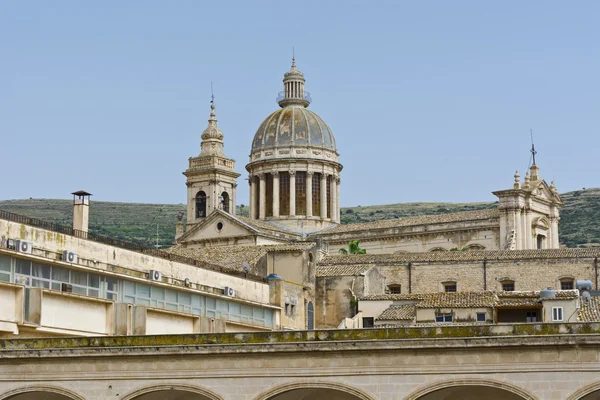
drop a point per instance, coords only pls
(314, 391)
(172, 392)
(201, 204)
(471, 389)
(40, 393)
(310, 316)
(225, 202)
(301, 193)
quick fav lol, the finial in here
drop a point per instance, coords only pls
(517, 184)
(553, 186)
(533, 152)
(293, 59)
(212, 103)
(527, 181)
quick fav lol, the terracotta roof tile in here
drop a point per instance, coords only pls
(389, 296)
(442, 256)
(232, 257)
(398, 313)
(266, 226)
(590, 310)
(342, 270)
(413, 221)
(459, 300)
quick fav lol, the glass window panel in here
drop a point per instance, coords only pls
(142, 290)
(257, 312)
(300, 193)
(41, 271)
(234, 308)
(60, 274)
(23, 267)
(329, 196)
(93, 292)
(129, 299)
(172, 307)
(112, 284)
(79, 278)
(268, 318)
(211, 314)
(196, 301)
(80, 290)
(5, 263)
(269, 194)
(144, 302)
(158, 293)
(170, 296)
(284, 193)
(94, 280)
(4, 277)
(112, 296)
(211, 303)
(55, 286)
(316, 194)
(197, 311)
(128, 287)
(246, 310)
(185, 298)
(40, 283)
(223, 306)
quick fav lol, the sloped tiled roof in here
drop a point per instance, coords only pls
(389, 296)
(535, 294)
(398, 313)
(342, 270)
(413, 221)
(590, 310)
(266, 226)
(510, 302)
(232, 257)
(459, 300)
(441, 256)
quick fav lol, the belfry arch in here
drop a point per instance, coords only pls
(471, 389)
(314, 391)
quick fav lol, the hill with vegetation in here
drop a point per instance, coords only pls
(579, 225)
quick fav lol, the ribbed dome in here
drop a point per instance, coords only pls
(293, 126)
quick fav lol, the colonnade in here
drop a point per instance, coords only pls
(281, 194)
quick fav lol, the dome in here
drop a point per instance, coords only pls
(293, 126)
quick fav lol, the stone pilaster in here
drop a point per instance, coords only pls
(309, 175)
(334, 206)
(323, 196)
(262, 197)
(275, 193)
(252, 197)
(292, 193)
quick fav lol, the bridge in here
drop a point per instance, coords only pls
(513, 362)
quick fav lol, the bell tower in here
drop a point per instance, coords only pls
(211, 177)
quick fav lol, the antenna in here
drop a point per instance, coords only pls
(533, 152)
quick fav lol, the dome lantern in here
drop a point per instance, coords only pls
(293, 88)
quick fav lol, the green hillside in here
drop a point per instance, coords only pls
(579, 226)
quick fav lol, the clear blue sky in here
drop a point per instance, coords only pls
(429, 101)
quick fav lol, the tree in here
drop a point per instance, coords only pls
(353, 248)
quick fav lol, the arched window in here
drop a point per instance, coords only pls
(225, 202)
(301, 193)
(508, 285)
(201, 204)
(567, 283)
(310, 316)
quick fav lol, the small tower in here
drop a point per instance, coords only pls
(81, 210)
(211, 177)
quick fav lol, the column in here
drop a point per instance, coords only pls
(337, 200)
(518, 229)
(333, 199)
(554, 243)
(292, 193)
(528, 233)
(262, 197)
(232, 199)
(275, 193)
(323, 196)
(252, 197)
(309, 175)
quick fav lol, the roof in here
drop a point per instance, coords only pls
(590, 310)
(414, 221)
(390, 296)
(398, 313)
(519, 302)
(458, 300)
(81, 193)
(232, 257)
(342, 270)
(265, 225)
(535, 294)
(441, 256)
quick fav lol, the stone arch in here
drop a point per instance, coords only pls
(475, 247)
(332, 386)
(437, 249)
(518, 392)
(208, 394)
(583, 392)
(41, 389)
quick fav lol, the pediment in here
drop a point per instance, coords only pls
(217, 225)
(542, 191)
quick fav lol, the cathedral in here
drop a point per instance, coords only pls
(294, 176)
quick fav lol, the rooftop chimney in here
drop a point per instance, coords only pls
(81, 210)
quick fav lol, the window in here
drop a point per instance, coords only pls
(450, 287)
(5, 269)
(225, 202)
(284, 193)
(316, 194)
(481, 317)
(368, 322)
(329, 196)
(301, 193)
(394, 289)
(201, 204)
(508, 286)
(540, 241)
(268, 195)
(257, 198)
(557, 314)
(566, 284)
(443, 318)
(310, 316)
(531, 316)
